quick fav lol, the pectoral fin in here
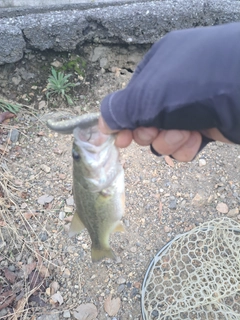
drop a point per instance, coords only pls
(76, 225)
(119, 227)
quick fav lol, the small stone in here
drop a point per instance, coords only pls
(66, 273)
(133, 249)
(198, 200)
(126, 222)
(148, 248)
(43, 236)
(121, 280)
(202, 162)
(233, 212)
(34, 87)
(137, 285)
(66, 314)
(45, 168)
(3, 313)
(16, 80)
(121, 288)
(61, 215)
(84, 246)
(12, 268)
(222, 207)
(42, 104)
(14, 135)
(70, 201)
(56, 64)
(68, 209)
(167, 229)
(172, 204)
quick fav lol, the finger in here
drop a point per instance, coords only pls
(189, 149)
(103, 127)
(215, 134)
(123, 138)
(145, 136)
(168, 142)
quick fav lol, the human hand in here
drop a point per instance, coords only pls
(182, 145)
(184, 94)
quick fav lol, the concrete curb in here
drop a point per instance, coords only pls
(124, 23)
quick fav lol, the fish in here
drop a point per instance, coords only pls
(98, 182)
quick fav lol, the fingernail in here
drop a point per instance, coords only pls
(144, 134)
(173, 137)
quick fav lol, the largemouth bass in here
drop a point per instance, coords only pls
(98, 182)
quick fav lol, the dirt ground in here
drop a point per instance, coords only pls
(44, 274)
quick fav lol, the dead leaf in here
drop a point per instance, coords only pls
(57, 298)
(19, 307)
(6, 115)
(169, 161)
(86, 311)
(28, 268)
(10, 276)
(222, 207)
(3, 149)
(54, 286)
(44, 272)
(6, 298)
(45, 199)
(112, 306)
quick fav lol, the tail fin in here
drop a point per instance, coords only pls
(99, 254)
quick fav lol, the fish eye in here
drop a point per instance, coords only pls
(75, 155)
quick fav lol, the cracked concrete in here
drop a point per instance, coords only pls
(65, 28)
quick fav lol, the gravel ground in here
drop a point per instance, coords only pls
(49, 275)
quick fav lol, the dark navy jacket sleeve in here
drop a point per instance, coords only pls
(189, 80)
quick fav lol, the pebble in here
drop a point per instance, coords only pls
(61, 215)
(172, 204)
(197, 200)
(202, 162)
(3, 312)
(222, 207)
(66, 314)
(56, 64)
(43, 236)
(42, 104)
(45, 168)
(121, 280)
(68, 209)
(14, 135)
(70, 201)
(121, 288)
(133, 249)
(233, 212)
(66, 273)
(12, 268)
(167, 229)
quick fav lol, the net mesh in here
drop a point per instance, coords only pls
(196, 275)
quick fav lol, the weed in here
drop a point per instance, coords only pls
(75, 65)
(58, 84)
(7, 106)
